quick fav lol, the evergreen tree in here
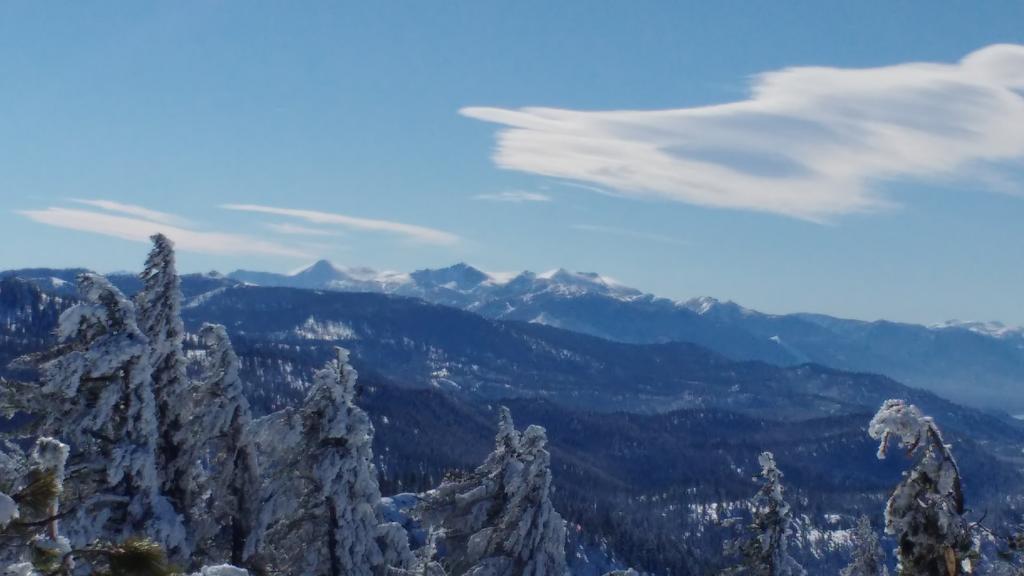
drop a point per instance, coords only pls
(97, 390)
(231, 518)
(322, 491)
(45, 552)
(764, 551)
(30, 536)
(925, 511)
(868, 557)
(159, 317)
(499, 520)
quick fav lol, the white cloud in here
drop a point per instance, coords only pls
(584, 187)
(412, 232)
(297, 230)
(133, 210)
(630, 234)
(139, 230)
(514, 197)
(809, 142)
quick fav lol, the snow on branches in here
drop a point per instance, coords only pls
(230, 512)
(868, 556)
(925, 511)
(321, 505)
(100, 401)
(764, 550)
(499, 519)
(159, 316)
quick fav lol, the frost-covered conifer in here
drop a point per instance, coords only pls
(499, 520)
(98, 391)
(322, 492)
(32, 539)
(159, 317)
(230, 519)
(51, 550)
(868, 557)
(925, 511)
(764, 550)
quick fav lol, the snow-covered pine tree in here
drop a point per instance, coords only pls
(925, 511)
(322, 493)
(12, 465)
(158, 307)
(531, 533)
(499, 519)
(98, 394)
(868, 557)
(463, 506)
(764, 550)
(230, 519)
(49, 461)
(31, 537)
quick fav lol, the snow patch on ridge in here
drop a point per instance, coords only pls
(313, 329)
(991, 328)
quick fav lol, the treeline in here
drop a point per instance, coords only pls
(135, 463)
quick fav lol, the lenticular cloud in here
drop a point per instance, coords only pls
(809, 142)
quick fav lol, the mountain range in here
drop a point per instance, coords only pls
(974, 363)
(978, 364)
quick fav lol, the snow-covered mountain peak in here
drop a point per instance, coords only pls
(707, 305)
(325, 274)
(568, 282)
(991, 328)
(320, 271)
(702, 304)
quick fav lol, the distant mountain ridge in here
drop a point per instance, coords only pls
(461, 284)
(974, 363)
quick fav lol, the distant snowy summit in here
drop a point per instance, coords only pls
(460, 284)
(464, 286)
(991, 328)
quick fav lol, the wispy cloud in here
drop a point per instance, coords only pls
(139, 230)
(584, 187)
(625, 233)
(514, 197)
(133, 210)
(297, 230)
(420, 234)
(809, 142)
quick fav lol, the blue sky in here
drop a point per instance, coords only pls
(791, 156)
